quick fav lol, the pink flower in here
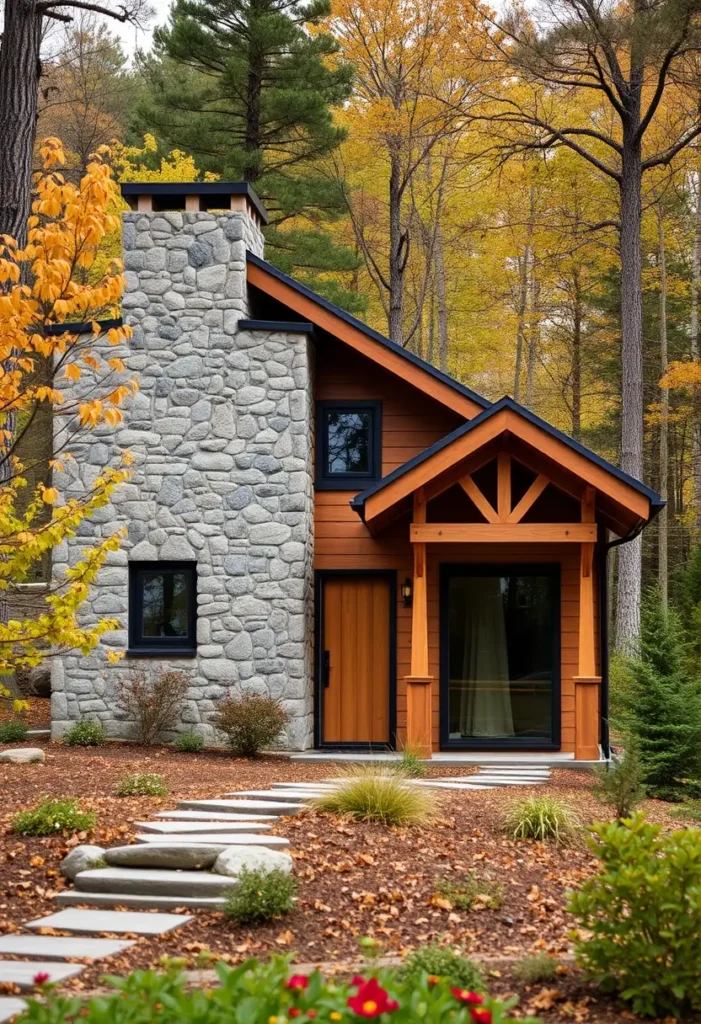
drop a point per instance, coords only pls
(298, 982)
(41, 977)
(371, 1000)
(471, 998)
(481, 1016)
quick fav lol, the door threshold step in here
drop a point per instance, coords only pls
(265, 806)
(61, 947)
(23, 972)
(153, 882)
(212, 839)
(112, 901)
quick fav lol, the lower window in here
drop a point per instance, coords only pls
(162, 608)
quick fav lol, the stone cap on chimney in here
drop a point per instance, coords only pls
(194, 196)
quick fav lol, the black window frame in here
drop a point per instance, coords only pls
(166, 646)
(327, 481)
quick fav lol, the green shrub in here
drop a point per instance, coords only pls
(86, 734)
(12, 732)
(52, 816)
(411, 765)
(250, 722)
(643, 915)
(533, 970)
(468, 890)
(619, 783)
(261, 896)
(142, 784)
(374, 795)
(189, 743)
(257, 993)
(442, 962)
(542, 818)
(620, 684)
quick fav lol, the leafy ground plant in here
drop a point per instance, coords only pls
(470, 891)
(443, 962)
(533, 970)
(257, 993)
(261, 896)
(543, 818)
(373, 795)
(52, 816)
(13, 732)
(142, 784)
(189, 743)
(642, 913)
(86, 734)
(251, 722)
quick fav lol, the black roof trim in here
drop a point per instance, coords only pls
(656, 502)
(80, 327)
(195, 188)
(375, 335)
(298, 326)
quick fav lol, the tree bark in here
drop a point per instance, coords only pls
(442, 302)
(19, 75)
(524, 267)
(630, 554)
(662, 557)
(397, 255)
(533, 339)
(576, 355)
(694, 352)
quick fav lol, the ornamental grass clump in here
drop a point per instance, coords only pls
(51, 817)
(142, 784)
(542, 818)
(534, 970)
(260, 896)
(382, 796)
(410, 765)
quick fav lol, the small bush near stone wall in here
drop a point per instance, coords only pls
(642, 916)
(261, 896)
(86, 734)
(142, 784)
(153, 703)
(250, 722)
(189, 742)
(12, 732)
(52, 816)
(443, 962)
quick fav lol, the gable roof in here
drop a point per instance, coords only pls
(354, 332)
(504, 415)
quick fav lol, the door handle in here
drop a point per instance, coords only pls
(326, 668)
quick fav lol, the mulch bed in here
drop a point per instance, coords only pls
(38, 716)
(354, 879)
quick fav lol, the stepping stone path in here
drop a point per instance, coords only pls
(147, 881)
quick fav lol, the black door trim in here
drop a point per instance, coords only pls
(552, 569)
(320, 576)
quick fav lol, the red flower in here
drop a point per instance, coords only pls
(371, 1000)
(481, 1016)
(294, 1011)
(311, 1014)
(41, 977)
(357, 979)
(471, 998)
(298, 982)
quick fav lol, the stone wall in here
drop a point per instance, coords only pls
(221, 435)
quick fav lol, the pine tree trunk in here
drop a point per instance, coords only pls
(19, 75)
(253, 142)
(576, 356)
(630, 554)
(397, 260)
(662, 520)
(694, 332)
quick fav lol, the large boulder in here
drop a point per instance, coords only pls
(166, 855)
(23, 755)
(39, 681)
(254, 858)
(80, 859)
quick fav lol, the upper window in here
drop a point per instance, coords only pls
(349, 444)
(162, 608)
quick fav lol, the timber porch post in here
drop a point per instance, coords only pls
(586, 682)
(418, 683)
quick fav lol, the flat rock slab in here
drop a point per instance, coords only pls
(23, 755)
(183, 827)
(120, 900)
(291, 795)
(440, 784)
(213, 816)
(498, 781)
(264, 806)
(151, 882)
(113, 921)
(23, 972)
(58, 947)
(10, 1006)
(222, 840)
(164, 855)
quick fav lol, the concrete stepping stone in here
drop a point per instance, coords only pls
(496, 781)
(440, 784)
(23, 972)
(305, 785)
(213, 816)
(265, 806)
(117, 900)
(151, 882)
(224, 840)
(182, 828)
(291, 795)
(10, 1006)
(175, 855)
(115, 922)
(60, 947)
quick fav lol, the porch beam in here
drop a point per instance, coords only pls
(529, 498)
(418, 683)
(586, 682)
(502, 533)
(477, 497)
(503, 485)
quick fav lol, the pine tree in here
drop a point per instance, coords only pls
(247, 88)
(664, 704)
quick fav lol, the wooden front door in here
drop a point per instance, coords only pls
(355, 659)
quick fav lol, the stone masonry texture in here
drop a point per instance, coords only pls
(221, 437)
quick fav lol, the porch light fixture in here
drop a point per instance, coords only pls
(406, 592)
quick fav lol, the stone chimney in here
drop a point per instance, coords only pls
(221, 434)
